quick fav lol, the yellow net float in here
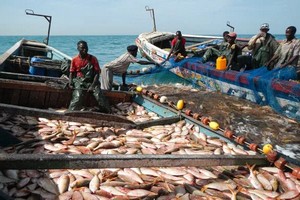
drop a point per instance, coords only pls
(139, 88)
(180, 104)
(214, 125)
(267, 148)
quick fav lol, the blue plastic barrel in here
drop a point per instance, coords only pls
(36, 70)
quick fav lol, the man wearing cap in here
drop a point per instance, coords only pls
(230, 53)
(262, 45)
(212, 53)
(120, 66)
(177, 46)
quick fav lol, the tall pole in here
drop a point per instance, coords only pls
(47, 17)
(151, 10)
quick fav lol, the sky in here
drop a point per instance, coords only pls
(129, 17)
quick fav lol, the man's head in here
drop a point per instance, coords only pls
(83, 48)
(178, 34)
(225, 33)
(290, 32)
(132, 49)
(231, 37)
(264, 27)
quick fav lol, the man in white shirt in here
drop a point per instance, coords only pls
(120, 66)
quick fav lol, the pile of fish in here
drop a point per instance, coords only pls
(63, 137)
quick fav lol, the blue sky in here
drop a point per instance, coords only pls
(128, 17)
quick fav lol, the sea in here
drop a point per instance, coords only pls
(106, 48)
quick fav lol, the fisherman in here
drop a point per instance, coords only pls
(211, 53)
(288, 51)
(120, 66)
(178, 47)
(84, 77)
(263, 46)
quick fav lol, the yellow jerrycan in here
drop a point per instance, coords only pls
(221, 63)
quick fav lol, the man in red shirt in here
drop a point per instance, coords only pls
(84, 76)
(178, 46)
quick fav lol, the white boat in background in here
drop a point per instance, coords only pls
(278, 92)
(155, 46)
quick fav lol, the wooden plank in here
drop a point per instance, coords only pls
(62, 161)
(100, 119)
(23, 101)
(162, 121)
(15, 97)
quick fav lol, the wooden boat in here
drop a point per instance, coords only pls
(282, 95)
(31, 98)
(30, 58)
(44, 100)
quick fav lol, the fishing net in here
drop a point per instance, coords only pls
(276, 88)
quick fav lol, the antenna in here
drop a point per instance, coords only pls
(47, 17)
(228, 24)
(151, 10)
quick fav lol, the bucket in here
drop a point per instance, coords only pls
(221, 63)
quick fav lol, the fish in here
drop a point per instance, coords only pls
(63, 183)
(253, 179)
(94, 183)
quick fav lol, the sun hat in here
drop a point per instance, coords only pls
(265, 26)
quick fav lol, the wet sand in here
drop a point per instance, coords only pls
(259, 124)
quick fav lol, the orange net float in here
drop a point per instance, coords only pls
(296, 172)
(228, 133)
(272, 156)
(156, 96)
(205, 120)
(196, 116)
(150, 94)
(280, 163)
(144, 91)
(188, 112)
(240, 139)
(253, 147)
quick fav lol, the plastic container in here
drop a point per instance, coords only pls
(36, 70)
(221, 63)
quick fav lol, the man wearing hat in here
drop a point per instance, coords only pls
(230, 52)
(263, 46)
(120, 66)
(178, 46)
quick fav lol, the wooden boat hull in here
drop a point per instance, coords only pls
(286, 98)
(33, 57)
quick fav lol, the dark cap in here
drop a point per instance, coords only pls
(132, 48)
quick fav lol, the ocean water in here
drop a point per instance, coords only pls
(106, 48)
